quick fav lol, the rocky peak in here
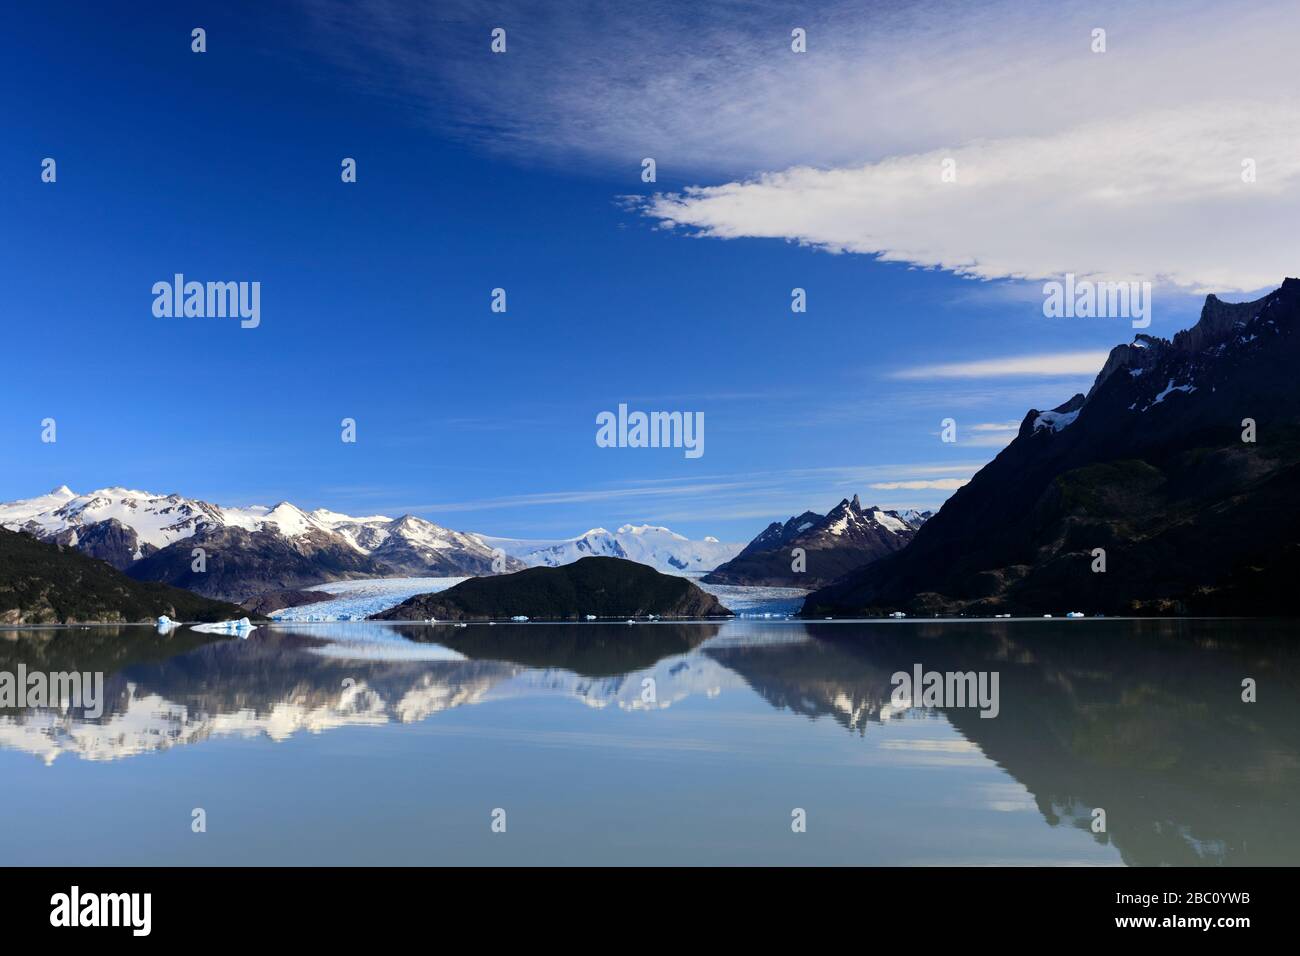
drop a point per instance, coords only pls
(1141, 353)
(1219, 320)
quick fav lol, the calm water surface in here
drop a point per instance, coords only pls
(357, 743)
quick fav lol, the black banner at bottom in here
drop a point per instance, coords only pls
(300, 905)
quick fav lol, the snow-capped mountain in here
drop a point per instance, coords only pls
(847, 538)
(247, 550)
(118, 525)
(662, 549)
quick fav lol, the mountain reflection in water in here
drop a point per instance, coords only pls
(1141, 718)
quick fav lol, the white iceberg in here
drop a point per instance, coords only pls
(240, 627)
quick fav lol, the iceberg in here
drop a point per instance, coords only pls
(242, 627)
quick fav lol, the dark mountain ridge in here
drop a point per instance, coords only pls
(1150, 466)
(43, 583)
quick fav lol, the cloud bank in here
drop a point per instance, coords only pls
(1122, 164)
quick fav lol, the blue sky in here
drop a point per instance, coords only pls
(478, 171)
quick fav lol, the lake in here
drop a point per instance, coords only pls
(746, 742)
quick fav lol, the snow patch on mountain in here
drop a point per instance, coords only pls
(1056, 421)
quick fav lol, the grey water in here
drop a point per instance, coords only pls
(749, 742)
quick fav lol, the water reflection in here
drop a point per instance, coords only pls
(1141, 718)
(165, 690)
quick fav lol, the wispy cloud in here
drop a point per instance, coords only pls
(764, 494)
(988, 434)
(942, 484)
(1042, 365)
(586, 496)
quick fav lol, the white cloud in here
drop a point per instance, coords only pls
(941, 484)
(1155, 196)
(1120, 164)
(1050, 364)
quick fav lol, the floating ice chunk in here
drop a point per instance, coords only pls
(242, 627)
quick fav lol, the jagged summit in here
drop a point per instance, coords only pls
(1219, 324)
(844, 539)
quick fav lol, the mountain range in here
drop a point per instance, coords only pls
(833, 545)
(253, 550)
(1170, 487)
